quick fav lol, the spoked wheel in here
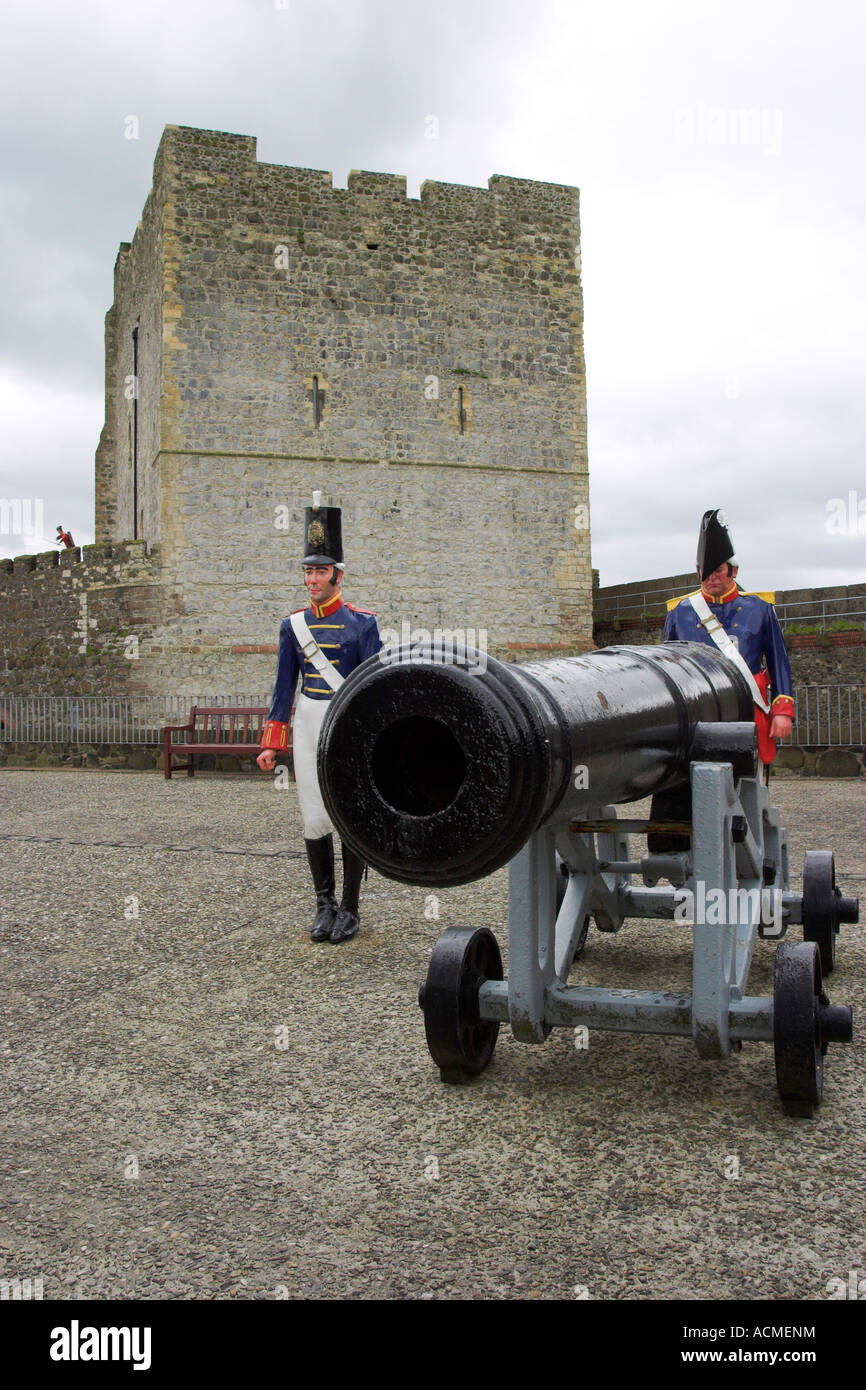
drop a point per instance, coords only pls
(804, 1024)
(823, 905)
(461, 1042)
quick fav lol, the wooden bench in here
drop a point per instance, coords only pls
(220, 730)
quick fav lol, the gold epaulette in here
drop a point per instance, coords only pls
(672, 602)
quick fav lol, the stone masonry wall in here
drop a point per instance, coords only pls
(128, 505)
(229, 601)
(65, 620)
(270, 277)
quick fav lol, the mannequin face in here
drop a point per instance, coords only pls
(317, 580)
(721, 579)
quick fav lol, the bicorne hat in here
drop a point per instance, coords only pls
(323, 534)
(714, 543)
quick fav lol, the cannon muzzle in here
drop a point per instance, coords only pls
(437, 762)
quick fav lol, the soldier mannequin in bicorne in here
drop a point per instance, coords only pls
(323, 643)
(738, 623)
(745, 628)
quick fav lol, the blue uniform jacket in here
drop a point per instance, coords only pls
(347, 636)
(752, 623)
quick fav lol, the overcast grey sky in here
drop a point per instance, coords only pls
(718, 148)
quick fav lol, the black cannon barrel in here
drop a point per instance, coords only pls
(437, 763)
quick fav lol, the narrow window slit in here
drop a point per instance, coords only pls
(318, 402)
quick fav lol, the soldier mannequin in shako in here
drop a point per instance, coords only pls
(323, 643)
(745, 628)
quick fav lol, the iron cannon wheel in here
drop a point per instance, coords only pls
(820, 898)
(461, 1042)
(797, 1043)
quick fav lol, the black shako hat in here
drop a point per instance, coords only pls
(714, 543)
(323, 534)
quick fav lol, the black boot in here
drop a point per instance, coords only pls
(321, 856)
(348, 919)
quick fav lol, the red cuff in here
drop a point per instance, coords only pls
(276, 735)
(783, 704)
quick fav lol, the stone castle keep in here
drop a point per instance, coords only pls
(418, 360)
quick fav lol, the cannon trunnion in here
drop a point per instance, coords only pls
(439, 765)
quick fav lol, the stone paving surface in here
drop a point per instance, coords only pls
(200, 1104)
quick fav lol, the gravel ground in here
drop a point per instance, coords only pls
(198, 1103)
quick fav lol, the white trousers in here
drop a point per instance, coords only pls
(309, 715)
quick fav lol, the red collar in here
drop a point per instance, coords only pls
(325, 610)
(728, 597)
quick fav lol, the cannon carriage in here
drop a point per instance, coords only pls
(439, 765)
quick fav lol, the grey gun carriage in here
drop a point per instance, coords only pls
(440, 765)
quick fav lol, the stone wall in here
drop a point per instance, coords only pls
(235, 595)
(830, 664)
(127, 497)
(638, 598)
(79, 622)
(248, 282)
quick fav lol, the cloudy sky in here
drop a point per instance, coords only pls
(716, 144)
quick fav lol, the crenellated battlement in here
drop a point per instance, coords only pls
(130, 559)
(197, 160)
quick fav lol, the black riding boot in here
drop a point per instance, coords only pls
(348, 919)
(321, 856)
